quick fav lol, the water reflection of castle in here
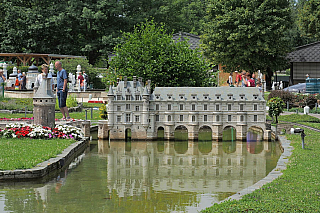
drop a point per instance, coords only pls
(210, 167)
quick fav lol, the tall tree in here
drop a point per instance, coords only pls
(309, 19)
(247, 35)
(150, 52)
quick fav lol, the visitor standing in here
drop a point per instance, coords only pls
(44, 69)
(19, 77)
(23, 81)
(62, 89)
(17, 84)
(238, 78)
(230, 79)
(80, 79)
(248, 80)
(2, 80)
(86, 77)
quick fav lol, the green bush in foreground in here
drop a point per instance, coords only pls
(297, 190)
(24, 153)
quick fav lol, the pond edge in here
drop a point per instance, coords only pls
(274, 174)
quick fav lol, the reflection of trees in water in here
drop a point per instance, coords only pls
(229, 134)
(160, 146)
(160, 133)
(181, 133)
(181, 147)
(205, 147)
(205, 134)
(229, 147)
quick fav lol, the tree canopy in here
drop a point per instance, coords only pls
(88, 27)
(247, 35)
(309, 18)
(151, 53)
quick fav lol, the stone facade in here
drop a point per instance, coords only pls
(132, 107)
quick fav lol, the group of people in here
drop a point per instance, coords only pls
(21, 81)
(245, 79)
(61, 90)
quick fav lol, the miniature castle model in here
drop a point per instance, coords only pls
(131, 106)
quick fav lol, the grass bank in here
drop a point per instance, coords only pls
(25, 153)
(297, 190)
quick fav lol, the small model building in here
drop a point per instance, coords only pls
(132, 107)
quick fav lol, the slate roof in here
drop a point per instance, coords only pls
(201, 92)
(120, 90)
(306, 53)
(194, 40)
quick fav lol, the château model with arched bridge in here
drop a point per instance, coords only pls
(133, 108)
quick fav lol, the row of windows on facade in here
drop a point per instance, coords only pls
(182, 118)
(194, 161)
(193, 107)
(206, 97)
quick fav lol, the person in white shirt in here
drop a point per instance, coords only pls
(230, 79)
(44, 69)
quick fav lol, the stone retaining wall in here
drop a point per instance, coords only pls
(51, 166)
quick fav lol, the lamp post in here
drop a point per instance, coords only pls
(301, 131)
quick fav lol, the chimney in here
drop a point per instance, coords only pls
(140, 81)
(125, 81)
(134, 81)
(149, 85)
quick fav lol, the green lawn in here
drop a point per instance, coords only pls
(24, 153)
(297, 190)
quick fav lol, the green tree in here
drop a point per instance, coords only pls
(276, 106)
(309, 18)
(70, 65)
(248, 35)
(150, 52)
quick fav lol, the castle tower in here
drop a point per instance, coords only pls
(145, 107)
(44, 103)
(110, 109)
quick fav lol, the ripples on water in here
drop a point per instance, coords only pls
(148, 176)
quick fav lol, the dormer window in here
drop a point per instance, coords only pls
(194, 96)
(206, 96)
(230, 96)
(169, 96)
(181, 96)
(157, 96)
(218, 96)
(242, 96)
(255, 96)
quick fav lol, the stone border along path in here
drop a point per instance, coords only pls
(47, 167)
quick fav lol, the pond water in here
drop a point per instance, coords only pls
(148, 176)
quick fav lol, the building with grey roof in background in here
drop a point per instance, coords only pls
(133, 108)
(304, 60)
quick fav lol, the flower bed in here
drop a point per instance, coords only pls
(18, 130)
(16, 119)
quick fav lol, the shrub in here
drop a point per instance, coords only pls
(284, 95)
(103, 112)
